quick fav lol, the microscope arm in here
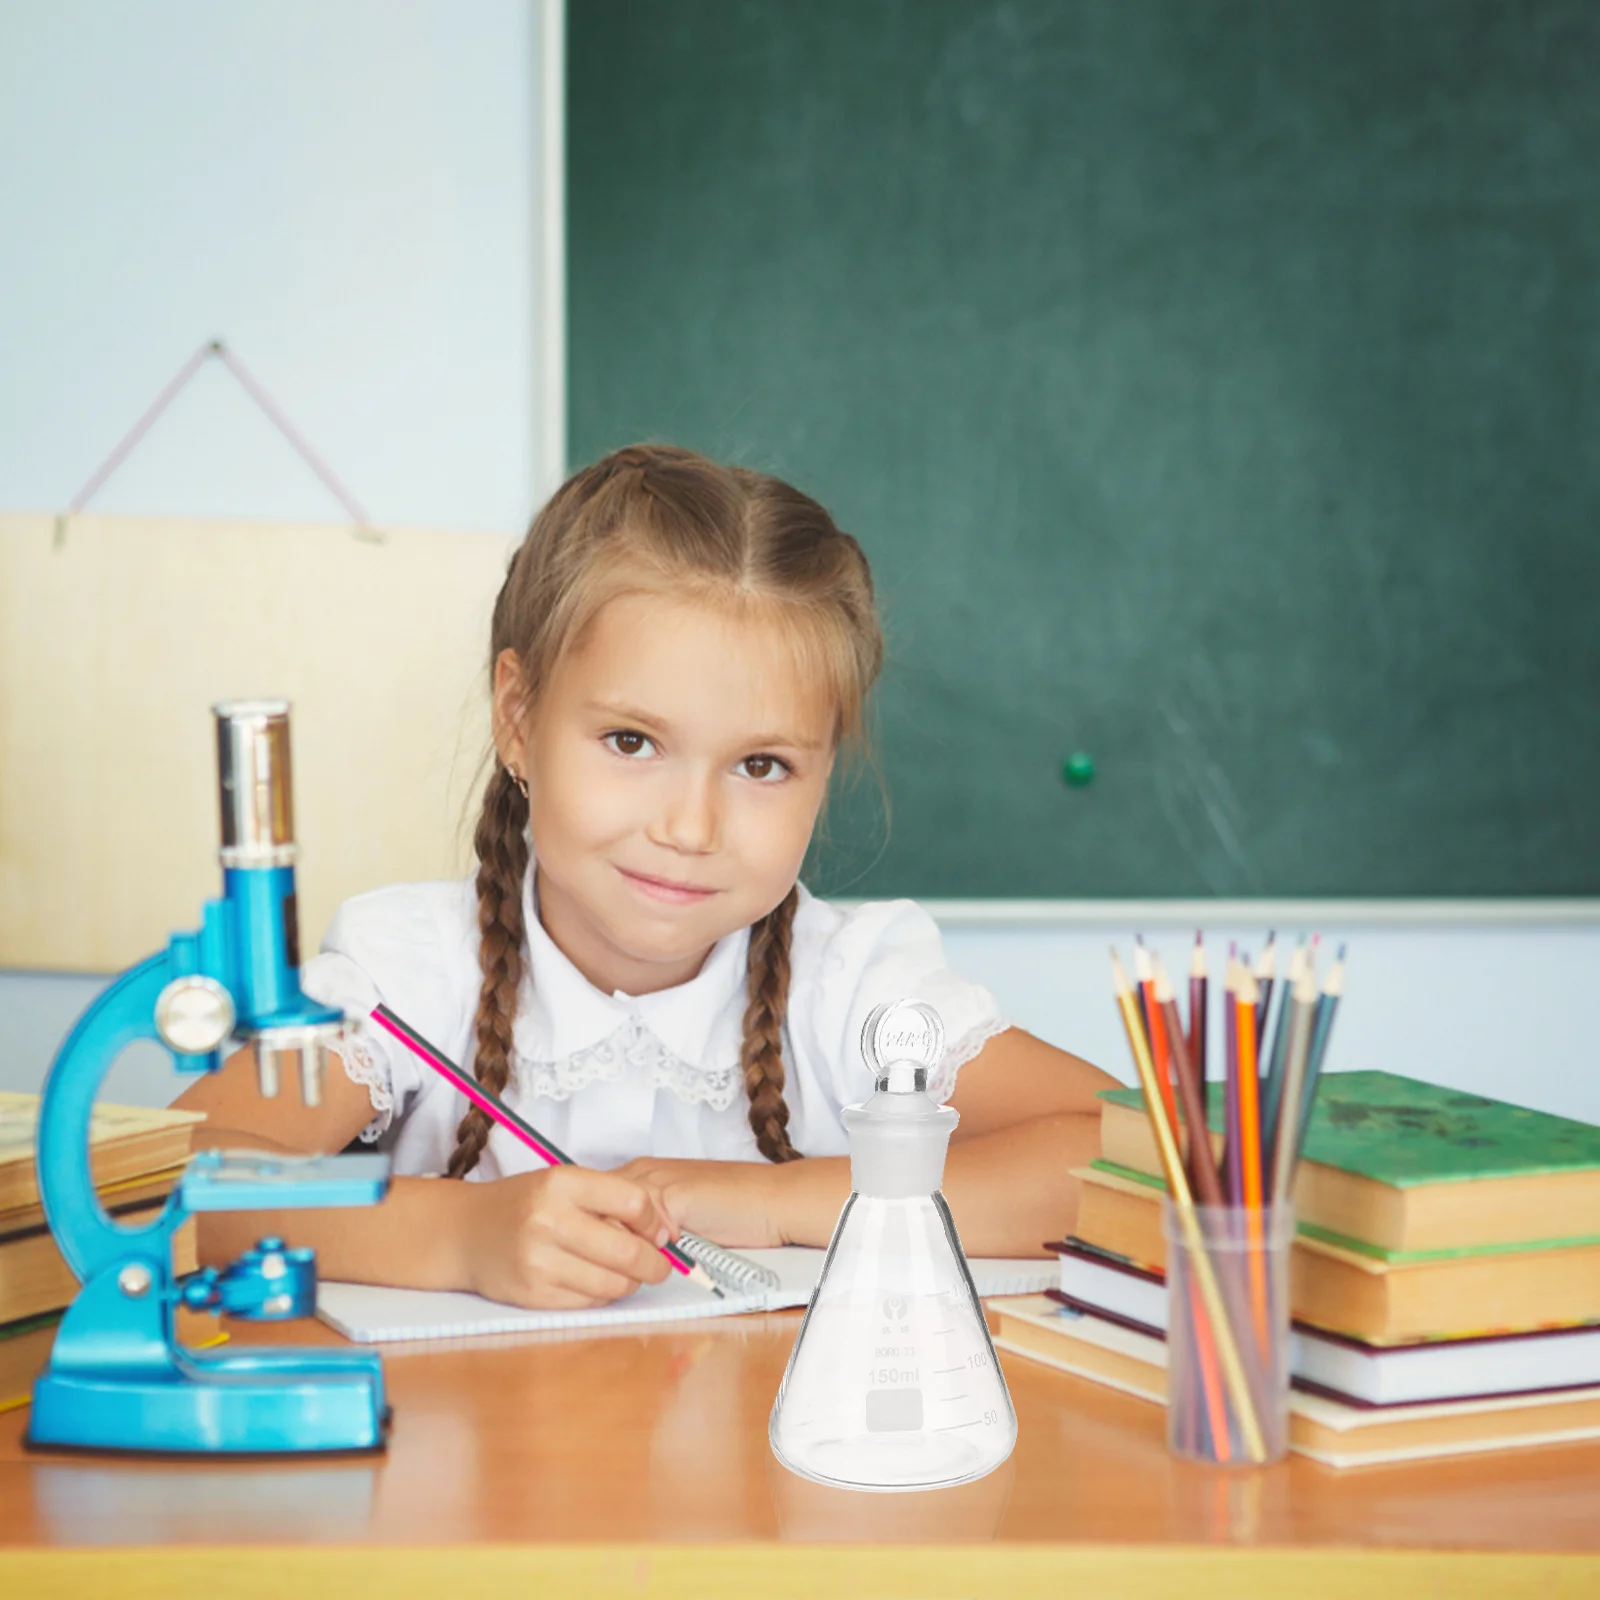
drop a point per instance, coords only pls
(86, 1236)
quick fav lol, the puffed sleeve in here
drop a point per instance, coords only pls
(845, 962)
(397, 945)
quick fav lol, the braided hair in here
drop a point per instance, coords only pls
(501, 841)
(655, 518)
(761, 1050)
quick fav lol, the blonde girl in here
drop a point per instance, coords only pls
(679, 655)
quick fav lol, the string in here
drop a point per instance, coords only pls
(269, 408)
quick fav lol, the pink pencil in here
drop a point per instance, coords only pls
(498, 1111)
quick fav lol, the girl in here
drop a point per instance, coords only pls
(678, 656)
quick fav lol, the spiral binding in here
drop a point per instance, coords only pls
(730, 1269)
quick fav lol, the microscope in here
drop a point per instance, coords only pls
(119, 1378)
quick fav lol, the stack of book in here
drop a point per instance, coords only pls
(136, 1156)
(1445, 1277)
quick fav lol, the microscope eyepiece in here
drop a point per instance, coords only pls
(254, 783)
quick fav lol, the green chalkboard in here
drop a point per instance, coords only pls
(1214, 384)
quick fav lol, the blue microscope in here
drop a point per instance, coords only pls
(118, 1378)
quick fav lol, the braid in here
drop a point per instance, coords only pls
(502, 846)
(761, 1053)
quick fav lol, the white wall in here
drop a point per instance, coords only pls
(349, 192)
(1480, 1002)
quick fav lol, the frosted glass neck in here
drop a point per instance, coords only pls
(898, 1139)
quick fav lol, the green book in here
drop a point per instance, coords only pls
(1404, 1166)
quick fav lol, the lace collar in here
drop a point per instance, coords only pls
(569, 1034)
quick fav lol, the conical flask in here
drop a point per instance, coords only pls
(893, 1381)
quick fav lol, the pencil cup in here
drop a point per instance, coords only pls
(1228, 1333)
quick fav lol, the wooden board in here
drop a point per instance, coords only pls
(115, 640)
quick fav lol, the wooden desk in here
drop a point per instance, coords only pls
(637, 1465)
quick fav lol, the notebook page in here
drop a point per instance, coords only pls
(371, 1314)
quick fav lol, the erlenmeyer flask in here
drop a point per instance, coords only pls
(893, 1381)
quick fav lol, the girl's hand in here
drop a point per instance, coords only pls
(728, 1202)
(564, 1238)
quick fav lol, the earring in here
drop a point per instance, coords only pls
(517, 778)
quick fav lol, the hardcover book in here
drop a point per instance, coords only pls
(1398, 1165)
(1377, 1296)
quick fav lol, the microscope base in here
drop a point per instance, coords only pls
(266, 1402)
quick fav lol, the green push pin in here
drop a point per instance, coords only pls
(1078, 770)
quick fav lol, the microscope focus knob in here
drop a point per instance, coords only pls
(194, 1015)
(270, 1282)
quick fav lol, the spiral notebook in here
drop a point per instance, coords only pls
(750, 1280)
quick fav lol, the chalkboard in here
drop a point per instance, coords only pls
(1214, 385)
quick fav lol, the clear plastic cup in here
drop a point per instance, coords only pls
(1228, 1334)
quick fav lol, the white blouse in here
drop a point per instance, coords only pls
(608, 1077)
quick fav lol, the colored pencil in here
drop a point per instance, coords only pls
(1250, 1175)
(1233, 1372)
(1138, 986)
(1205, 1182)
(1199, 987)
(1272, 1083)
(1215, 1414)
(1266, 971)
(1203, 1176)
(1232, 1165)
(1155, 1026)
(1199, 984)
(1302, 1002)
(498, 1111)
(1250, 1185)
(1322, 1027)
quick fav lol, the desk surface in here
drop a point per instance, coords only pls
(659, 1439)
